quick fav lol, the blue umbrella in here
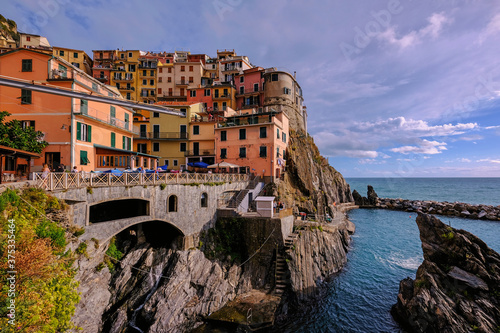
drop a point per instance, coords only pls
(200, 165)
(114, 172)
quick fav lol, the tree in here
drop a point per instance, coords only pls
(13, 135)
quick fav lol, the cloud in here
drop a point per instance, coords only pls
(489, 160)
(491, 29)
(426, 147)
(432, 30)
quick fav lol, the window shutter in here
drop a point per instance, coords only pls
(124, 141)
(78, 131)
(129, 143)
(89, 133)
(113, 139)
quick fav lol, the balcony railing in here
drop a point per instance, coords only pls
(249, 91)
(246, 122)
(126, 88)
(57, 74)
(163, 135)
(64, 180)
(200, 152)
(223, 96)
(123, 78)
(103, 117)
(145, 66)
(183, 83)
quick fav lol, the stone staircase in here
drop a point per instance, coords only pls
(235, 202)
(281, 274)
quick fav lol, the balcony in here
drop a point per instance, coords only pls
(223, 96)
(60, 75)
(162, 135)
(125, 88)
(249, 92)
(147, 75)
(101, 78)
(123, 78)
(148, 66)
(183, 83)
(103, 117)
(200, 152)
(105, 57)
(250, 121)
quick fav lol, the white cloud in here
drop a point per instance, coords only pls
(432, 30)
(491, 29)
(489, 160)
(426, 147)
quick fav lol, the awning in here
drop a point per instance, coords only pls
(124, 151)
(222, 165)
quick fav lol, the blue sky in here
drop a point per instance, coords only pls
(393, 88)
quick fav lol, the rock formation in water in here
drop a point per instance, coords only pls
(457, 287)
(369, 201)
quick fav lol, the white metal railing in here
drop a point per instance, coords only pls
(65, 180)
(104, 117)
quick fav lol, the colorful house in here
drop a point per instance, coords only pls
(87, 134)
(78, 58)
(255, 141)
(249, 88)
(103, 64)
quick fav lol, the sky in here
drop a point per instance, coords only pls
(393, 88)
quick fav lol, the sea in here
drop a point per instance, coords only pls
(385, 249)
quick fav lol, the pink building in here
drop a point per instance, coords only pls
(256, 141)
(249, 88)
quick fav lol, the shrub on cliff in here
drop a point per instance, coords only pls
(45, 292)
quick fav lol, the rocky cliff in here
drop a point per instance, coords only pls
(310, 183)
(457, 287)
(319, 252)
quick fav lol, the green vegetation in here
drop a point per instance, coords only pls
(82, 249)
(422, 284)
(90, 190)
(206, 184)
(225, 241)
(13, 135)
(163, 186)
(448, 235)
(113, 254)
(46, 292)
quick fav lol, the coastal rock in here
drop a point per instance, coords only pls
(457, 287)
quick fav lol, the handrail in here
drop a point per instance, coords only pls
(65, 180)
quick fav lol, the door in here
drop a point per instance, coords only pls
(53, 160)
(156, 131)
(143, 130)
(250, 199)
(183, 132)
(196, 148)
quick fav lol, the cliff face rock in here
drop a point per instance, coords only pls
(316, 255)
(371, 199)
(310, 183)
(457, 287)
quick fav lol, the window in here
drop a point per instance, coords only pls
(83, 157)
(242, 79)
(159, 91)
(152, 72)
(131, 68)
(25, 96)
(156, 146)
(204, 200)
(169, 79)
(243, 133)
(83, 132)
(182, 146)
(75, 55)
(170, 70)
(113, 139)
(287, 91)
(77, 65)
(263, 132)
(128, 96)
(216, 93)
(27, 65)
(277, 151)
(278, 133)
(182, 91)
(243, 152)
(225, 93)
(144, 82)
(283, 153)
(165, 162)
(130, 54)
(274, 77)
(144, 72)
(27, 123)
(263, 151)
(151, 82)
(283, 137)
(160, 79)
(207, 92)
(161, 71)
(224, 106)
(61, 53)
(10, 163)
(176, 163)
(172, 203)
(223, 153)
(192, 93)
(191, 68)
(196, 130)
(223, 135)
(191, 79)
(28, 38)
(183, 68)
(94, 86)
(216, 106)
(255, 87)
(170, 92)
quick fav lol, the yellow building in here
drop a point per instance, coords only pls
(78, 58)
(125, 76)
(223, 96)
(170, 135)
(146, 84)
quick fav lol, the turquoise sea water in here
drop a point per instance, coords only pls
(386, 248)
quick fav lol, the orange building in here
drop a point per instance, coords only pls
(256, 141)
(87, 134)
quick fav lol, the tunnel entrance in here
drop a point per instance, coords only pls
(156, 233)
(118, 209)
